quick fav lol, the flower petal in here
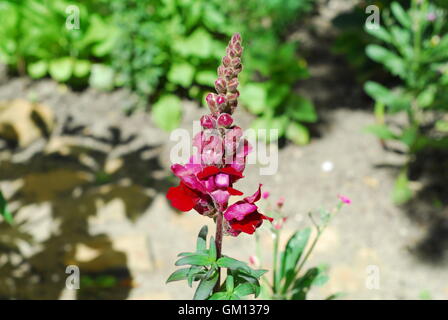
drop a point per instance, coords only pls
(182, 198)
(239, 210)
(255, 197)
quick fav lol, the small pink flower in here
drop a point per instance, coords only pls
(265, 195)
(344, 199)
(431, 17)
(253, 261)
(278, 224)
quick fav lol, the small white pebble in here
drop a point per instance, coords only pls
(327, 166)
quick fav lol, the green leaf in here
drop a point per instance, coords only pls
(167, 112)
(301, 109)
(194, 273)
(198, 44)
(291, 256)
(297, 133)
(303, 284)
(401, 15)
(253, 96)
(201, 242)
(401, 192)
(177, 275)
(409, 136)
(212, 254)
(4, 209)
(196, 260)
(61, 69)
(81, 68)
(205, 287)
(245, 289)
(381, 131)
(219, 296)
(391, 61)
(232, 264)
(38, 69)
(383, 95)
(426, 97)
(229, 283)
(182, 74)
(322, 277)
(380, 33)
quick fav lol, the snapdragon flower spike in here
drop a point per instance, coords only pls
(206, 181)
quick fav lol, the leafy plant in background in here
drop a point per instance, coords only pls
(168, 48)
(206, 184)
(290, 281)
(4, 212)
(415, 50)
(36, 41)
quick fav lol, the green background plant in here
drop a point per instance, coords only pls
(165, 50)
(415, 51)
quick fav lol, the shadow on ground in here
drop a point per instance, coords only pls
(73, 186)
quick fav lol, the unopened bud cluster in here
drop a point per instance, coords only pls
(224, 102)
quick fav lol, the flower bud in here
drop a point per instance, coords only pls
(235, 38)
(211, 102)
(221, 99)
(220, 85)
(208, 122)
(225, 120)
(221, 71)
(226, 61)
(238, 49)
(236, 63)
(232, 85)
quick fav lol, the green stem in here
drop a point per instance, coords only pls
(275, 264)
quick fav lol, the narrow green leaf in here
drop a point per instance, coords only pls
(201, 242)
(391, 61)
(401, 15)
(303, 284)
(381, 131)
(196, 260)
(4, 209)
(212, 254)
(177, 275)
(380, 33)
(205, 287)
(229, 283)
(232, 264)
(291, 256)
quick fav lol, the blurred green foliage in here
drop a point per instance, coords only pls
(165, 49)
(36, 40)
(4, 212)
(414, 49)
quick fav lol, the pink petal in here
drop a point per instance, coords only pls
(239, 210)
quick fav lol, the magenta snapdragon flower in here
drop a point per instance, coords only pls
(206, 181)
